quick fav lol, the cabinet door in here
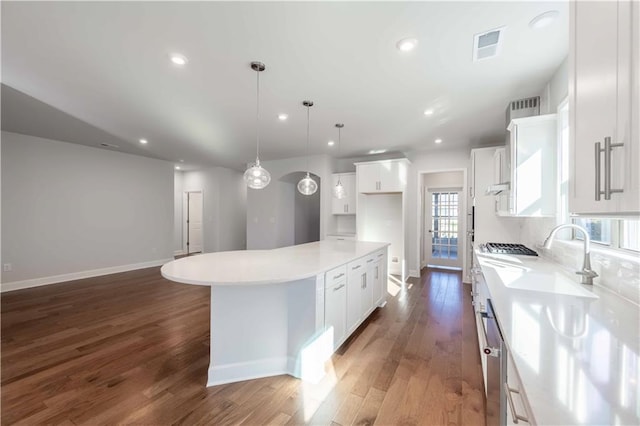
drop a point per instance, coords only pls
(356, 272)
(368, 178)
(335, 311)
(393, 176)
(367, 289)
(533, 175)
(377, 281)
(601, 110)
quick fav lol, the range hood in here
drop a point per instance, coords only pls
(497, 188)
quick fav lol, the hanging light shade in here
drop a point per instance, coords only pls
(307, 186)
(257, 177)
(339, 190)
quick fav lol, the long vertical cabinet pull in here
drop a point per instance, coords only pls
(608, 147)
(598, 190)
(364, 280)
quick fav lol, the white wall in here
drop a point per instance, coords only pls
(443, 180)
(223, 207)
(266, 208)
(68, 210)
(556, 89)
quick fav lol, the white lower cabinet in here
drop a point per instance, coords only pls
(378, 276)
(336, 304)
(356, 279)
(352, 292)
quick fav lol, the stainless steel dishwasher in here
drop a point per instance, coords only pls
(496, 353)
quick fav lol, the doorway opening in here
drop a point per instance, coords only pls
(442, 219)
(300, 222)
(193, 239)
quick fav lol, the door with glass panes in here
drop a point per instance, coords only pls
(442, 225)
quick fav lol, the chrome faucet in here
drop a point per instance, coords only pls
(587, 274)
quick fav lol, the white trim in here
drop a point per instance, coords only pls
(414, 274)
(54, 279)
(465, 213)
(178, 253)
(240, 371)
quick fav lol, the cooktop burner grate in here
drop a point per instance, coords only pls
(507, 248)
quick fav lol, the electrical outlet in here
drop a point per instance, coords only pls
(6, 267)
(394, 259)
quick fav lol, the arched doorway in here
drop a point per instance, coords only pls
(303, 211)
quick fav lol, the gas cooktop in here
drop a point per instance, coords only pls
(507, 248)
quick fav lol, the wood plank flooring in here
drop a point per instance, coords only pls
(133, 348)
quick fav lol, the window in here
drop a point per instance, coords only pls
(444, 225)
(614, 233)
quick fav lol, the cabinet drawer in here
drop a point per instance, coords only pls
(335, 275)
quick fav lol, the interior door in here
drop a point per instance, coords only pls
(443, 221)
(194, 222)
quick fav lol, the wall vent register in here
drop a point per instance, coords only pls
(507, 248)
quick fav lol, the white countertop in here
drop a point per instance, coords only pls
(252, 267)
(575, 347)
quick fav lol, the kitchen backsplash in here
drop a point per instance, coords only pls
(619, 272)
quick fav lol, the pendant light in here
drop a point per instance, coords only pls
(339, 191)
(307, 186)
(256, 176)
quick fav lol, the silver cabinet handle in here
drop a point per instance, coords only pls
(338, 288)
(608, 147)
(370, 260)
(346, 208)
(381, 254)
(353, 268)
(488, 350)
(338, 276)
(514, 415)
(377, 270)
(598, 190)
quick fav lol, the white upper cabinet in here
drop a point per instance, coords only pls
(532, 170)
(345, 205)
(382, 176)
(603, 108)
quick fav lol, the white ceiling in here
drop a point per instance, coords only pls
(100, 70)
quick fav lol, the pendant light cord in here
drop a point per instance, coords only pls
(258, 117)
(308, 139)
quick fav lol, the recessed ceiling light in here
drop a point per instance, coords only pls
(438, 140)
(177, 167)
(331, 143)
(178, 59)
(282, 117)
(143, 141)
(407, 44)
(377, 151)
(428, 112)
(544, 19)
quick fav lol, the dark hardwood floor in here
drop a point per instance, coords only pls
(134, 348)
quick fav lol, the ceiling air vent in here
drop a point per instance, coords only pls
(109, 145)
(488, 44)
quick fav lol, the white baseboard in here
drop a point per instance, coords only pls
(54, 279)
(178, 253)
(413, 273)
(240, 371)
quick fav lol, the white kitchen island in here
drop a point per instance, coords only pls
(268, 306)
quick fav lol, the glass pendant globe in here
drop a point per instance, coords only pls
(338, 191)
(257, 177)
(307, 186)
